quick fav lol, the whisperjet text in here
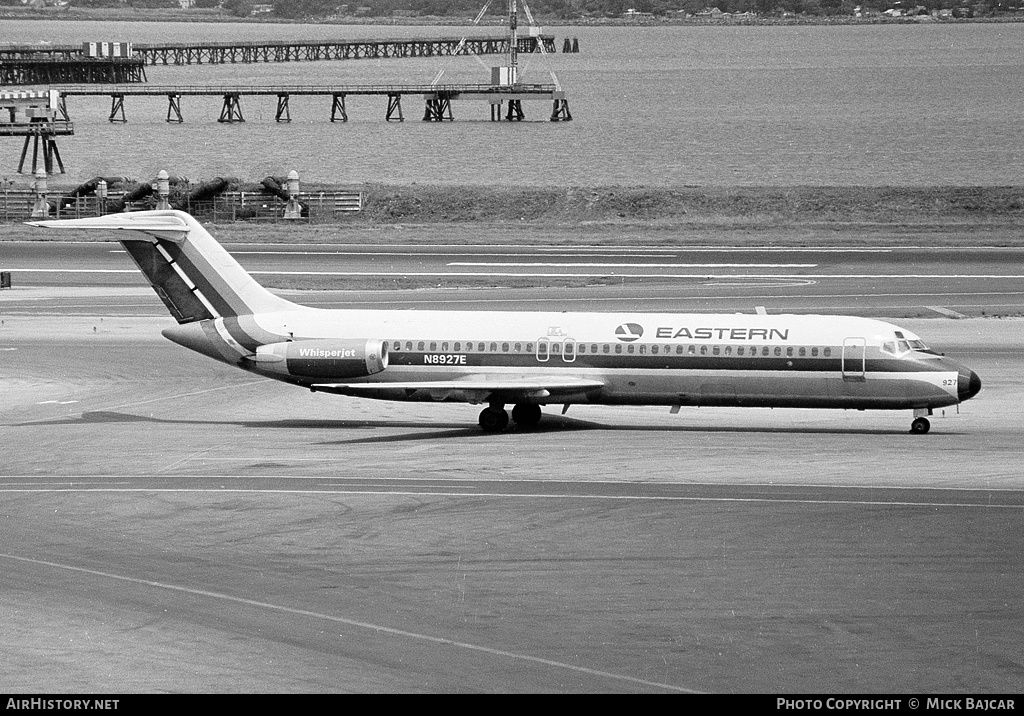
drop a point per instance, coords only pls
(732, 334)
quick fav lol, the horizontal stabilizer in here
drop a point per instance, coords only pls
(162, 225)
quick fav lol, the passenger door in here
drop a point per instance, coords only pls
(854, 356)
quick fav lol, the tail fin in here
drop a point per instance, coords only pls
(191, 273)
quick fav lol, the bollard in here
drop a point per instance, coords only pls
(163, 190)
(40, 209)
(294, 209)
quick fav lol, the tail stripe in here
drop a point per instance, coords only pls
(170, 285)
(210, 283)
(188, 282)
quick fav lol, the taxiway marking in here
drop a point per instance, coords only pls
(945, 312)
(349, 622)
(540, 264)
(513, 495)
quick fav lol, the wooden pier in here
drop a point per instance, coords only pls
(54, 70)
(221, 53)
(438, 99)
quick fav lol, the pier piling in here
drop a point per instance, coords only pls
(174, 108)
(338, 113)
(117, 109)
(394, 107)
(282, 114)
(231, 112)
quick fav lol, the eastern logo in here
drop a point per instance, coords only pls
(629, 332)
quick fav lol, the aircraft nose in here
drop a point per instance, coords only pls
(968, 384)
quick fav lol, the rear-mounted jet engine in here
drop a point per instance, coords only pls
(332, 358)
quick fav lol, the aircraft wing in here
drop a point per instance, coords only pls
(474, 388)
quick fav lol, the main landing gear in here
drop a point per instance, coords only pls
(920, 425)
(494, 419)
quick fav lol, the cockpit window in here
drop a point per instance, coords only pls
(904, 346)
(889, 347)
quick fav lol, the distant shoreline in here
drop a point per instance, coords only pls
(213, 16)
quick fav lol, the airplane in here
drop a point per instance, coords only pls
(530, 359)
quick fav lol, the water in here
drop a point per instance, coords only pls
(663, 106)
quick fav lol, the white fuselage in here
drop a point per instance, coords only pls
(665, 359)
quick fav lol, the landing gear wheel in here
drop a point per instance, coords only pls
(526, 415)
(920, 426)
(493, 420)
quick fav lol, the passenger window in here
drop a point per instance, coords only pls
(679, 350)
(643, 350)
(605, 349)
(789, 352)
(444, 347)
(618, 348)
(556, 348)
(494, 348)
(765, 351)
(529, 348)
(457, 347)
(814, 352)
(778, 350)
(569, 347)
(654, 350)
(433, 346)
(692, 350)
(481, 347)
(716, 350)
(397, 346)
(739, 350)
(504, 347)
(827, 352)
(728, 350)
(803, 352)
(583, 348)
(630, 348)
(419, 346)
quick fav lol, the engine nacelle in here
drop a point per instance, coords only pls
(324, 358)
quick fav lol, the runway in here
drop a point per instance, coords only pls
(171, 524)
(891, 281)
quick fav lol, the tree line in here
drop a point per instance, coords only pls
(564, 10)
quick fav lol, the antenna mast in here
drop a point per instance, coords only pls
(513, 41)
